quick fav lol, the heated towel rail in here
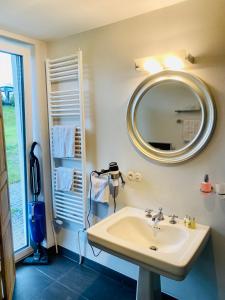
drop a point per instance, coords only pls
(66, 108)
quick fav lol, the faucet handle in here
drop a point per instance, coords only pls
(161, 217)
(148, 212)
(172, 220)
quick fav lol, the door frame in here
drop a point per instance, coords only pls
(12, 47)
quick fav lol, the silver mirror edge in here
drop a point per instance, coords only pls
(208, 123)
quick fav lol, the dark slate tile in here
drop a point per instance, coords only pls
(57, 267)
(29, 283)
(167, 297)
(126, 293)
(106, 288)
(94, 286)
(79, 278)
(58, 292)
(128, 282)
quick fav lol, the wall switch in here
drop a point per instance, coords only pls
(130, 175)
(137, 176)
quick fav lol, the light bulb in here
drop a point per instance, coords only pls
(152, 66)
(173, 62)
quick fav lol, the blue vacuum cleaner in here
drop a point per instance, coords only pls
(36, 211)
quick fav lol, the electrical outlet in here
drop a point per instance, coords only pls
(137, 176)
(130, 175)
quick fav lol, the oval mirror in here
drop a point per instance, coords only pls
(170, 116)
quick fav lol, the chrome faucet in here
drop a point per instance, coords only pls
(148, 213)
(158, 217)
(173, 219)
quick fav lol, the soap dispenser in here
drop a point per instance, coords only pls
(206, 186)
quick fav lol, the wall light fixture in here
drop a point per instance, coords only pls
(174, 60)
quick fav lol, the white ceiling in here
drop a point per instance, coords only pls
(52, 19)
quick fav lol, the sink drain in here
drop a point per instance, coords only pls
(154, 248)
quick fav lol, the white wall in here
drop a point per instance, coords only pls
(110, 79)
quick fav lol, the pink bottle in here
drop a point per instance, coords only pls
(206, 186)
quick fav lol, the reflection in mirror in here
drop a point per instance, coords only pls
(168, 115)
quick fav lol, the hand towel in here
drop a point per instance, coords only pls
(63, 141)
(64, 179)
(69, 141)
(100, 188)
(57, 142)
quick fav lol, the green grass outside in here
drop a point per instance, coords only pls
(12, 150)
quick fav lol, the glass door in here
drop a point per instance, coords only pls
(12, 97)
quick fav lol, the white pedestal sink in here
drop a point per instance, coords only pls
(169, 251)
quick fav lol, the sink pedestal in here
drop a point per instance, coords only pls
(148, 285)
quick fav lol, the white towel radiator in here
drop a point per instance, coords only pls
(66, 107)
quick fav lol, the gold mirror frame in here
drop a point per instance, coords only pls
(208, 111)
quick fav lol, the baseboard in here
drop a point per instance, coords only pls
(102, 269)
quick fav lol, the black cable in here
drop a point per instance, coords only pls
(90, 199)
(90, 203)
(95, 254)
(121, 178)
(89, 211)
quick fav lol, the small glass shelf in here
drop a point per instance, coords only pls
(187, 110)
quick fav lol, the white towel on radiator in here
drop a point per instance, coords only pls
(64, 179)
(69, 136)
(100, 188)
(63, 141)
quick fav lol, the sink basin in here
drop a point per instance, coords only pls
(139, 232)
(168, 251)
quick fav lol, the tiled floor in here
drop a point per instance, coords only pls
(64, 279)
